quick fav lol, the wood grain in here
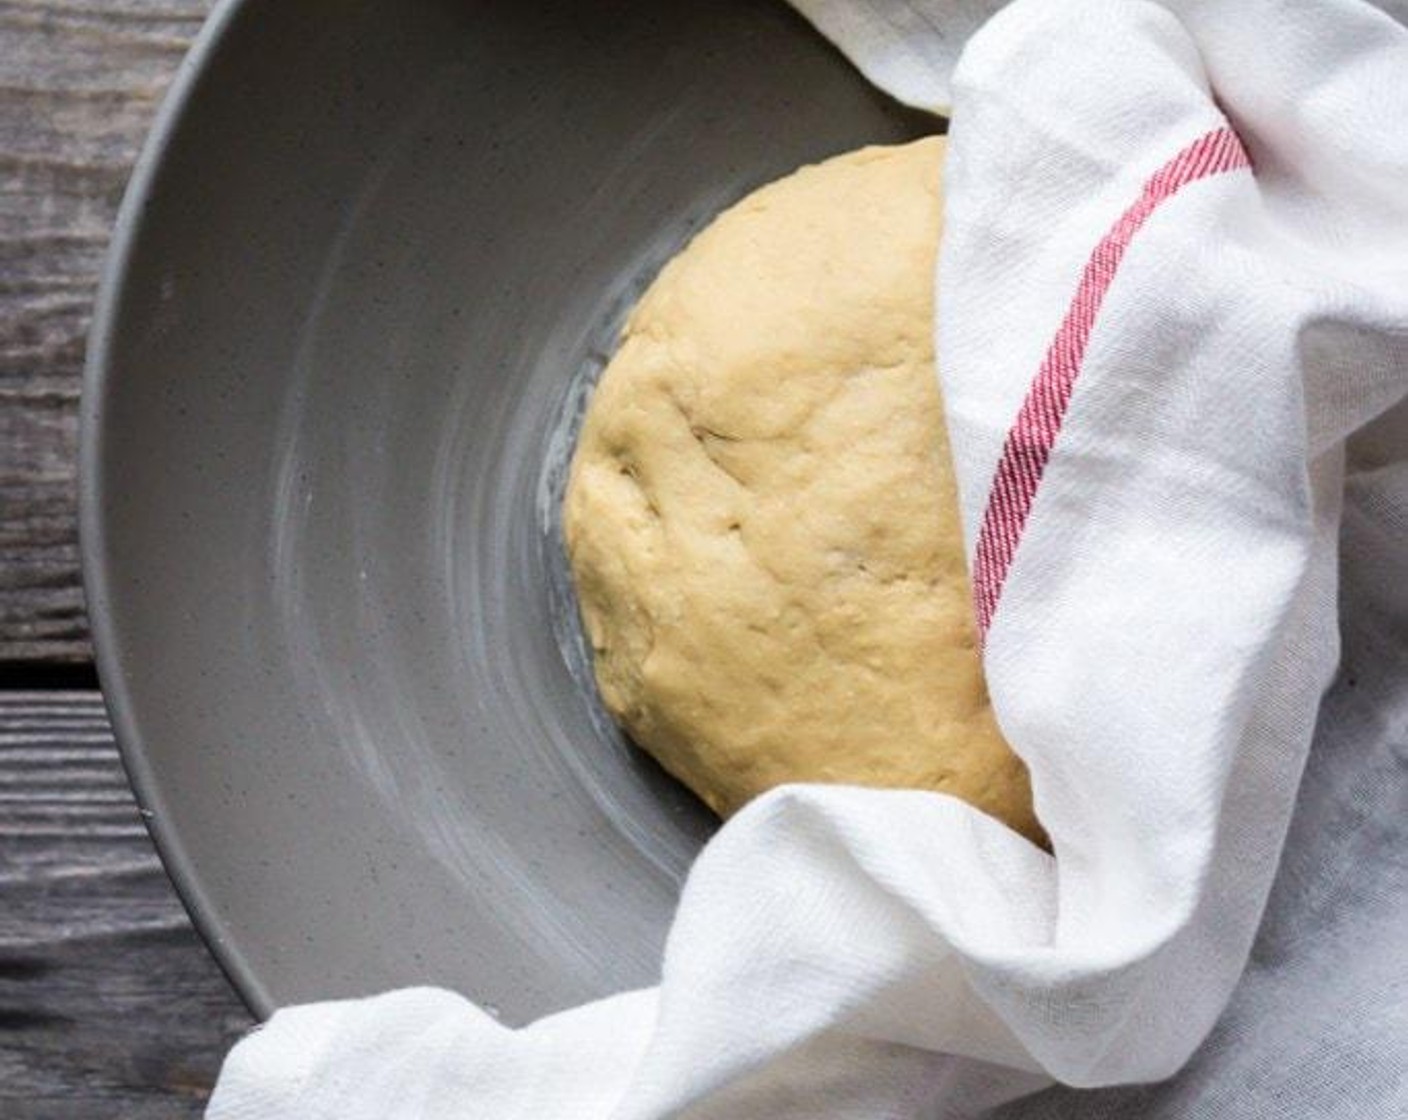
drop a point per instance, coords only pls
(79, 85)
(110, 1005)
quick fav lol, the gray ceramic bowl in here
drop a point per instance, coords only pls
(365, 270)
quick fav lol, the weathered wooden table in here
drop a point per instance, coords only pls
(109, 1003)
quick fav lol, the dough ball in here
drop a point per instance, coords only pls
(762, 519)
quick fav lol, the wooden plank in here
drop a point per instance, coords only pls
(41, 598)
(79, 84)
(110, 1005)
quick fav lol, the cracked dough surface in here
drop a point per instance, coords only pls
(761, 516)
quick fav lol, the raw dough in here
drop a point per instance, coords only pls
(762, 519)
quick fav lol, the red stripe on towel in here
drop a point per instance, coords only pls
(1032, 436)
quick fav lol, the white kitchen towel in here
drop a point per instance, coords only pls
(1174, 283)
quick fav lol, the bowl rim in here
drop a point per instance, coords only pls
(128, 230)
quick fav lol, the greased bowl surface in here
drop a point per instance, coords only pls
(367, 267)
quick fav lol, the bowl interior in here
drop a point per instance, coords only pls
(358, 301)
